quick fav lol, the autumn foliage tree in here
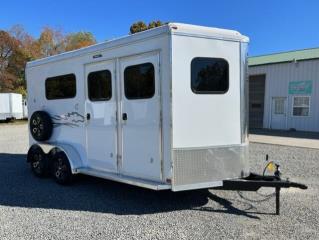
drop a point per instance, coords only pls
(9, 52)
(79, 40)
(141, 26)
(51, 42)
(17, 47)
(155, 24)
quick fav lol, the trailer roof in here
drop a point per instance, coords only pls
(297, 55)
(173, 28)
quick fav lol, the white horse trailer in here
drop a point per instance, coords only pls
(11, 106)
(161, 109)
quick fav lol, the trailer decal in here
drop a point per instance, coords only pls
(72, 119)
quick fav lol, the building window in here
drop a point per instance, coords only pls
(100, 85)
(209, 75)
(301, 106)
(279, 106)
(60, 87)
(139, 81)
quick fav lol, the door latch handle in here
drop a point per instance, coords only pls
(88, 116)
(124, 116)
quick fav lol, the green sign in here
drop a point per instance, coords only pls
(300, 87)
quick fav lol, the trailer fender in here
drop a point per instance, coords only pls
(73, 156)
(71, 153)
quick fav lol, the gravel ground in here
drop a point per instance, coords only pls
(91, 208)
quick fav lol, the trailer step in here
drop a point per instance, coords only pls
(124, 179)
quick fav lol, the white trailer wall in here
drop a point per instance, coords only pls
(147, 42)
(11, 106)
(206, 134)
(16, 105)
(5, 106)
(278, 77)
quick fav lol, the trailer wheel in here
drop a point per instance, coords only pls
(38, 161)
(61, 169)
(41, 126)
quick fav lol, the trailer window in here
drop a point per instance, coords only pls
(100, 85)
(139, 81)
(60, 87)
(209, 75)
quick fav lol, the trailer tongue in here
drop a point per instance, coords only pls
(255, 181)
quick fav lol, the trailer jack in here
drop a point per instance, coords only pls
(254, 182)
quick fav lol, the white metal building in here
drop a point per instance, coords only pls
(284, 90)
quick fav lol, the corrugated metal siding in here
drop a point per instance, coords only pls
(278, 77)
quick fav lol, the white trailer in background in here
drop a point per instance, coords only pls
(11, 106)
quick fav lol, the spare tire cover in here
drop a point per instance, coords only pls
(41, 126)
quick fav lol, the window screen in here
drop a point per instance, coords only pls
(209, 75)
(100, 85)
(301, 106)
(139, 81)
(60, 87)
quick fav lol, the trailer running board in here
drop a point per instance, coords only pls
(124, 179)
(254, 182)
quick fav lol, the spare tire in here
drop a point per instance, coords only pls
(41, 126)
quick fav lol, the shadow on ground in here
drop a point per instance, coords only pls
(13, 122)
(283, 133)
(19, 188)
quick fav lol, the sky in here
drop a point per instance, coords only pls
(272, 25)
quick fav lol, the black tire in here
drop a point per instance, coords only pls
(61, 169)
(38, 161)
(41, 126)
(9, 120)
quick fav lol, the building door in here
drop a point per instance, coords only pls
(278, 113)
(101, 115)
(256, 101)
(140, 117)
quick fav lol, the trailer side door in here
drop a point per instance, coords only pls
(140, 117)
(101, 116)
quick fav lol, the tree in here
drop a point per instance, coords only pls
(8, 51)
(51, 42)
(28, 49)
(17, 47)
(29, 46)
(155, 24)
(140, 26)
(8, 46)
(79, 40)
